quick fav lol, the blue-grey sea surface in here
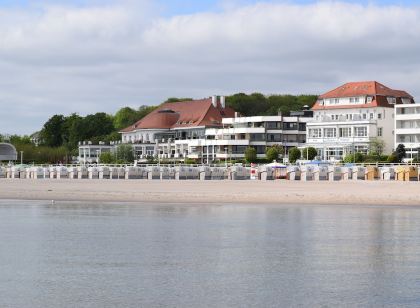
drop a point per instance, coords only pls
(174, 255)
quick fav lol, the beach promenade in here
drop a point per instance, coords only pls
(194, 192)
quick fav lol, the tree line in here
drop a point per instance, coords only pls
(67, 131)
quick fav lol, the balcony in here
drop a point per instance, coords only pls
(340, 119)
(407, 131)
(338, 140)
(407, 116)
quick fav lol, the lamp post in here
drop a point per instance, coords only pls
(157, 150)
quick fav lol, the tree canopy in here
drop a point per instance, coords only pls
(257, 104)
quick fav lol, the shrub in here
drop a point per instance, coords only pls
(400, 152)
(190, 161)
(106, 158)
(392, 158)
(251, 155)
(354, 158)
(272, 153)
(294, 155)
(309, 153)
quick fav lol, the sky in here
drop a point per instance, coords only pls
(87, 56)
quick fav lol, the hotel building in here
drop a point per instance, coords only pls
(259, 132)
(348, 118)
(205, 130)
(407, 127)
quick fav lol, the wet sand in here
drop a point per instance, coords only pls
(193, 192)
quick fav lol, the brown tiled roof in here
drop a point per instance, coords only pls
(183, 114)
(378, 91)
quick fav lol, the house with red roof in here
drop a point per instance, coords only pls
(352, 117)
(171, 129)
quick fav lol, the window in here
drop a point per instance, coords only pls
(364, 116)
(371, 116)
(302, 127)
(391, 100)
(369, 99)
(274, 137)
(356, 99)
(345, 132)
(330, 132)
(379, 131)
(273, 125)
(315, 133)
(361, 149)
(379, 116)
(360, 131)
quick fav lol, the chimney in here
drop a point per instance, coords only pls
(223, 102)
(214, 101)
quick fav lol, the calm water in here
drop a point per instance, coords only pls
(121, 255)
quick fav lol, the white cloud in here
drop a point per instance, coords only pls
(57, 59)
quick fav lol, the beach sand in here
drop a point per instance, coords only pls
(193, 192)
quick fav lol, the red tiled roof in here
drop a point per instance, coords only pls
(378, 91)
(183, 114)
(364, 88)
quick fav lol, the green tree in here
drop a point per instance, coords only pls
(250, 154)
(125, 153)
(309, 153)
(376, 146)
(98, 124)
(73, 131)
(294, 155)
(125, 117)
(178, 99)
(400, 152)
(354, 158)
(107, 158)
(51, 134)
(272, 153)
(248, 105)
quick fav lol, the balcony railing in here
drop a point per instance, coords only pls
(355, 118)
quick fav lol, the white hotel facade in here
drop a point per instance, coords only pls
(407, 128)
(349, 118)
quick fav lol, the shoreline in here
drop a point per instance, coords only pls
(215, 192)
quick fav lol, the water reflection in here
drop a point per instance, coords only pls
(207, 255)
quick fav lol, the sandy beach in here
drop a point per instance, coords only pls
(189, 192)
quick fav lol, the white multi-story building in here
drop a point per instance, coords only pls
(259, 132)
(349, 118)
(407, 128)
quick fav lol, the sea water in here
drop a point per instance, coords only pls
(159, 255)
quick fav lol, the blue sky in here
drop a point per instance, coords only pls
(174, 7)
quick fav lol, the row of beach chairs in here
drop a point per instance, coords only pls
(292, 173)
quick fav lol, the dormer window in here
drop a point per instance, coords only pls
(391, 100)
